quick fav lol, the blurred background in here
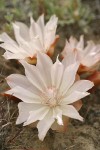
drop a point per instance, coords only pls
(76, 17)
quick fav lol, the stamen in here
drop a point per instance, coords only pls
(51, 97)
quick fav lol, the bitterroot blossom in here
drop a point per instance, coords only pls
(39, 37)
(88, 56)
(48, 92)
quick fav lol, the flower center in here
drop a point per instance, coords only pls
(51, 97)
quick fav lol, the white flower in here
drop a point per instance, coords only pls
(48, 91)
(39, 37)
(87, 56)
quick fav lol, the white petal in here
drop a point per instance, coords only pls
(28, 48)
(90, 45)
(67, 49)
(70, 111)
(44, 125)
(36, 44)
(9, 55)
(24, 31)
(57, 114)
(68, 77)
(35, 30)
(24, 94)
(10, 47)
(44, 64)
(61, 128)
(73, 42)
(24, 44)
(81, 86)
(18, 37)
(90, 60)
(69, 59)
(37, 114)
(50, 30)
(24, 109)
(91, 54)
(52, 23)
(6, 39)
(34, 76)
(19, 80)
(41, 23)
(73, 97)
(80, 44)
(57, 73)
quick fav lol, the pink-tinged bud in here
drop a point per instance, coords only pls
(88, 56)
